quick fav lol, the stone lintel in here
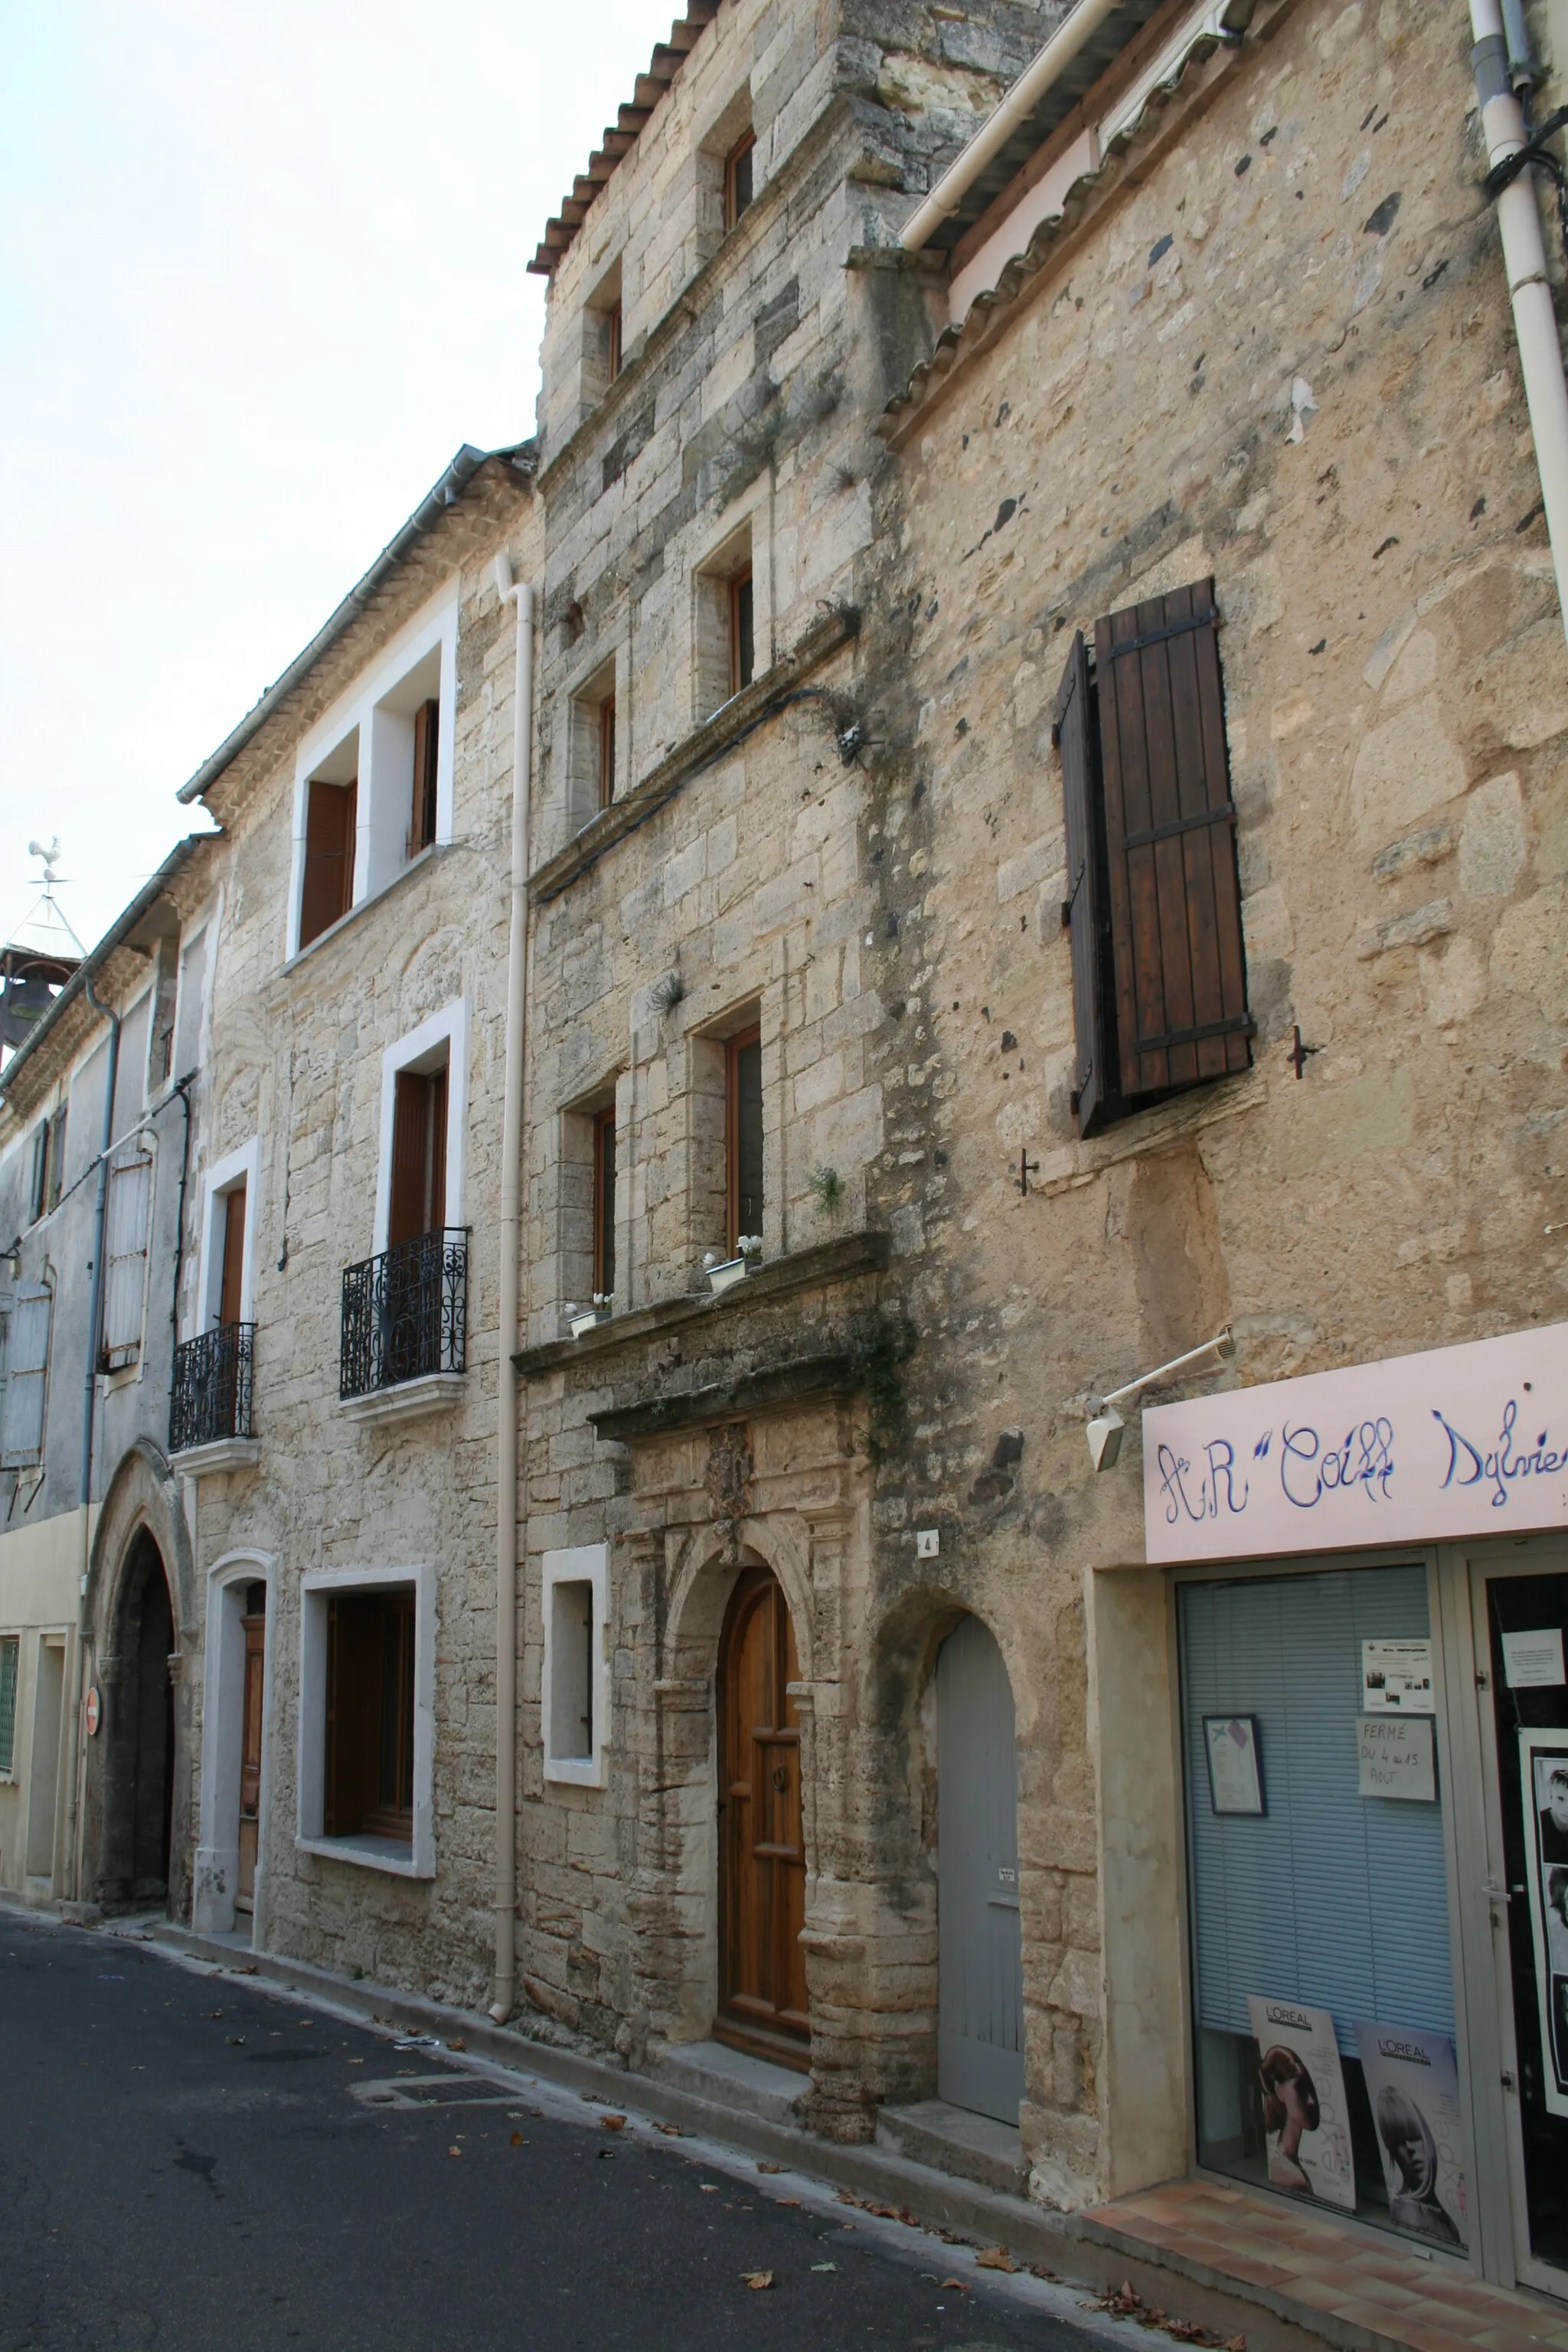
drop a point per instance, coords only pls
(808, 1379)
(409, 1401)
(781, 1277)
(222, 1454)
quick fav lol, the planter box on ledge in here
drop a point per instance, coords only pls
(589, 1321)
(733, 1270)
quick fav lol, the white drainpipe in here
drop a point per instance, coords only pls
(1524, 258)
(1020, 102)
(521, 595)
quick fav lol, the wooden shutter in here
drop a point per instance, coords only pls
(418, 1198)
(130, 1201)
(745, 1136)
(328, 892)
(57, 1159)
(1075, 735)
(26, 1368)
(436, 1152)
(605, 1202)
(230, 1289)
(10, 1650)
(354, 1710)
(426, 758)
(37, 1184)
(742, 642)
(1174, 899)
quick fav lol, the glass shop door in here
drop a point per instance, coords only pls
(1521, 1624)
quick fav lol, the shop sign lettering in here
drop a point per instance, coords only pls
(1458, 1442)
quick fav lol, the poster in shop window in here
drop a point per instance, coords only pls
(1306, 2121)
(1543, 1766)
(1413, 2089)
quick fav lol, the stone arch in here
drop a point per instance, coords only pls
(705, 1576)
(137, 1783)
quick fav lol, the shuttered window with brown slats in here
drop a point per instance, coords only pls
(417, 1201)
(426, 772)
(328, 890)
(1154, 902)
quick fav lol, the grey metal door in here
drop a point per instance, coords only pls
(980, 2026)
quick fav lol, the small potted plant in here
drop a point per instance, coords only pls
(724, 1273)
(584, 1318)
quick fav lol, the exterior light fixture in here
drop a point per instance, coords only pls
(1106, 1425)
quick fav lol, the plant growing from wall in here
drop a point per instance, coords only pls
(879, 1345)
(827, 1188)
(667, 994)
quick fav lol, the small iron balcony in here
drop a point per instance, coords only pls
(211, 1398)
(405, 1313)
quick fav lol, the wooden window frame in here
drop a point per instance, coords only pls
(614, 327)
(604, 1201)
(606, 732)
(426, 775)
(231, 1253)
(1153, 904)
(733, 1048)
(740, 162)
(383, 1705)
(422, 1097)
(324, 901)
(742, 606)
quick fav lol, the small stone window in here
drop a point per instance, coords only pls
(593, 747)
(574, 1696)
(725, 624)
(738, 165)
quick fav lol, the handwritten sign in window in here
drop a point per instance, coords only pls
(1396, 1757)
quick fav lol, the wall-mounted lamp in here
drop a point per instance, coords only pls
(11, 1260)
(1105, 1428)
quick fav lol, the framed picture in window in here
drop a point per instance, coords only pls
(1235, 1772)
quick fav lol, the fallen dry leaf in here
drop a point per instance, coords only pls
(708, 2187)
(1038, 2270)
(518, 2141)
(756, 2280)
(454, 2151)
(962, 2285)
(994, 2258)
(456, 2042)
(786, 2200)
(612, 2123)
(670, 2131)
(768, 2167)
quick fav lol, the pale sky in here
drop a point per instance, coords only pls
(261, 275)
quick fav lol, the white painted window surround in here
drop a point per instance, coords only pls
(442, 1038)
(574, 1577)
(223, 1727)
(241, 1167)
(194, 991)
(416, 1860)
(420, 665)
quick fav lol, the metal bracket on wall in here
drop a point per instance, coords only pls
(1027, 1168)
(1302, 1055)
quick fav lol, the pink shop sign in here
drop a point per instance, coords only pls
(1470, 1441)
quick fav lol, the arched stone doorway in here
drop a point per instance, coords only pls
(139, 1763)
(980, 2030)
(763, 2005)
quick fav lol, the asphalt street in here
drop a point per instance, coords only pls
(189, 2162)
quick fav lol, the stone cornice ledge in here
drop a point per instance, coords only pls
(222, 1453)
(706, 744)
(409, 1401)
(836, 1261)
(802, 1381)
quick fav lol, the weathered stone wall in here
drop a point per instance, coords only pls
(297, 1060)
(1276, 347)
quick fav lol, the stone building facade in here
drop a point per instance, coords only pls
(1047, 856)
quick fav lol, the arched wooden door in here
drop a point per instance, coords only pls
(980, 2025)
(762, 1846)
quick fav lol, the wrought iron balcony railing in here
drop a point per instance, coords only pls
(405, 1313)
(211, 1397)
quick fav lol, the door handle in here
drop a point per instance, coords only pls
(1495, 1894)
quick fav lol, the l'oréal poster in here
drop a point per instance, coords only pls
(1412, 2088)
(1543, 1766)
(1306, 2121)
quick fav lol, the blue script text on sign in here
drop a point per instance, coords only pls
(1470, 1441)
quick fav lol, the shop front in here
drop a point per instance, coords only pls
(1368, 1574)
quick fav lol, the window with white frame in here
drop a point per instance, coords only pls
(225, 1281)
(191, 1002)
(367, 1716)
(576, 1692)
(26, 1365)
(125, 1255)
(373, 786)
(423, 1118)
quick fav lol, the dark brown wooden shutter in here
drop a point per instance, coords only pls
(435, 1192)
(328, 892)
(1174, 899)
(354, 1710)
(233, 1255)
(410, 1145)
(1076, 736)
(426, 761)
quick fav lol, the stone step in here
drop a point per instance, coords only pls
(952, 2139)
(730, 2078)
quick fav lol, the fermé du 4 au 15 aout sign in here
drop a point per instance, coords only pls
(1468, 1441)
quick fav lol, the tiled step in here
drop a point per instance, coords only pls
(951, 2140)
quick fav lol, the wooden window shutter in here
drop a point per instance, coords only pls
(1174, 899)
(1075, 735)
(26, 1373)
(426, 768)
(410, 1145)
(231, 1284)
(330, 825)
(130, 1203)
(354, 1710)
(435, 1158)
